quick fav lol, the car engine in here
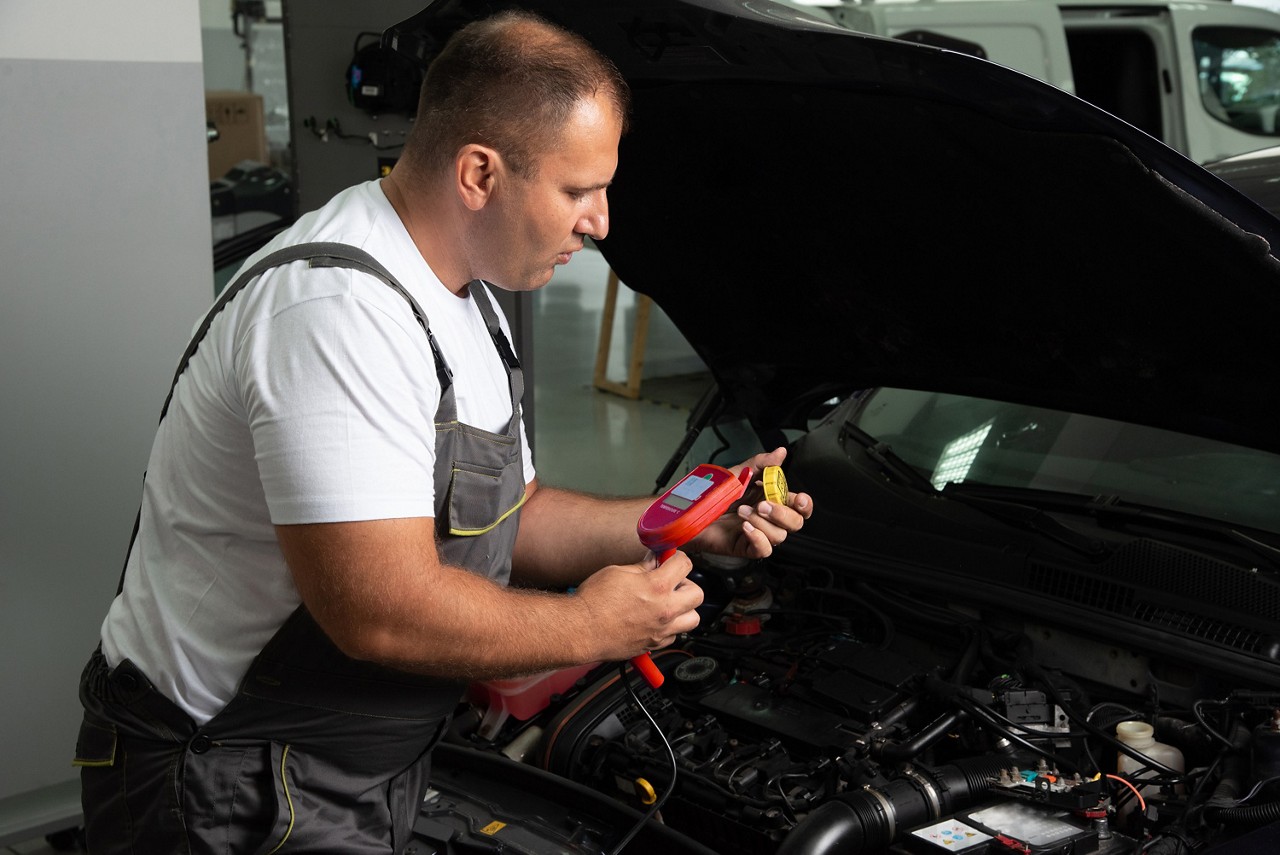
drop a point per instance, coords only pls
(811, 714)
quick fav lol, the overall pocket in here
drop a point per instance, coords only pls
(480, 498)
(102, 791)
(284, 809)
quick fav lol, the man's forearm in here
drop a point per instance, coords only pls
(476, 630)
(380, 593)
(566, 536)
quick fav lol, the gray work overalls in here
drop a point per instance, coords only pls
(316, 752)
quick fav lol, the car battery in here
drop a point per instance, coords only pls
(1007, 829)
(949, 835)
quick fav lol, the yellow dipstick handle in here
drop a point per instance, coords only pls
(646, 792)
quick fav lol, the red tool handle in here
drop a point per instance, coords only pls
(643, 663)
(647, 669)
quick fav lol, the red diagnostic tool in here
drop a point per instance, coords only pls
(697, 500)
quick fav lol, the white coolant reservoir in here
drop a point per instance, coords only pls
(1141, 736)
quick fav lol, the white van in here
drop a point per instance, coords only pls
(1203, 77)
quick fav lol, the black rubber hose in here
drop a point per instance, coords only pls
(1194, 741)
(896, 752)
(1231, 780)
(869, 820)
(1254, 816)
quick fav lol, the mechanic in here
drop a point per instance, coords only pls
(340, 490)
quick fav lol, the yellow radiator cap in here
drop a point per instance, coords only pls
(775, 485)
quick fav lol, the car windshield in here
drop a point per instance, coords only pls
(956, 439)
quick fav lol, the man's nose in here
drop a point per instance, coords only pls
(595, 222)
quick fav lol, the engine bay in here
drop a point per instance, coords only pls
(810, 713)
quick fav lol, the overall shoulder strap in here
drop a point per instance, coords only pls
(515, 374)
(317, 254)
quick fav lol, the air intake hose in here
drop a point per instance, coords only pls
(868, 820)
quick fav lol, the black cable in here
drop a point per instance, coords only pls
(333, 126)
(1030, 730)
(1108, 725)
(657, 805)
(1201, 783)
(1127, 712)
(724, 444)
(1200, 719)
(885, 620)
(979, 711)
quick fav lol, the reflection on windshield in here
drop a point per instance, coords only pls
(958, 456)
(949, 438)
(1239, 71)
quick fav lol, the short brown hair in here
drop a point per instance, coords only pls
(511, 82)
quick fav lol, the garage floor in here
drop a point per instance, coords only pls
(583, 438)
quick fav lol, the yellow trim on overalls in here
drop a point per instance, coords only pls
(284, 782)
(473, 532)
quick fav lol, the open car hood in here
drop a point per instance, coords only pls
(820, 211)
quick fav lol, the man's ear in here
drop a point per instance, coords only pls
(476, 170)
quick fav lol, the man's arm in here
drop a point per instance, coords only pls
(379, 590)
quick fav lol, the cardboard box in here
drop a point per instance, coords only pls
(241, 129)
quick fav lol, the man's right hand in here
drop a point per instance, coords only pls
(639, 607)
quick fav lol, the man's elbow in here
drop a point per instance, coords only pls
(366, 642)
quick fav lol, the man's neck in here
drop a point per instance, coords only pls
(431, 227)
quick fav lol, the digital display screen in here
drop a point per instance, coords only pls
(688, 491)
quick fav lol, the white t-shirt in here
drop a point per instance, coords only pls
(310, 400)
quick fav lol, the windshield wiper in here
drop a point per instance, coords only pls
(1031, 518)
(1023, 516)
(893, 466)
(1114, 512)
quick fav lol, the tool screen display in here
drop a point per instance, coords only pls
(688, 491)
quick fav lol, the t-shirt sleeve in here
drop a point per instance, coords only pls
(340, 393)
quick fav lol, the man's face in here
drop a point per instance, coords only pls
(538, 222)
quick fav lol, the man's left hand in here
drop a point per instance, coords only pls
(753, 530)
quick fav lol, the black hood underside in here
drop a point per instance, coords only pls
(820, 211)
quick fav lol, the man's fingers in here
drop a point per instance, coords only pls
(785, 518)
(673, 571)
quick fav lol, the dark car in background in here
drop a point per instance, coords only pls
(1023, 357)
(1254, 173)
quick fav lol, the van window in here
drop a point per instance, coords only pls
(1118, 71)
(1239, 72)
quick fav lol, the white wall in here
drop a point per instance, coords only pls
(104, 267)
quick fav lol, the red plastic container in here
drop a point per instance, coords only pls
(521, 697)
